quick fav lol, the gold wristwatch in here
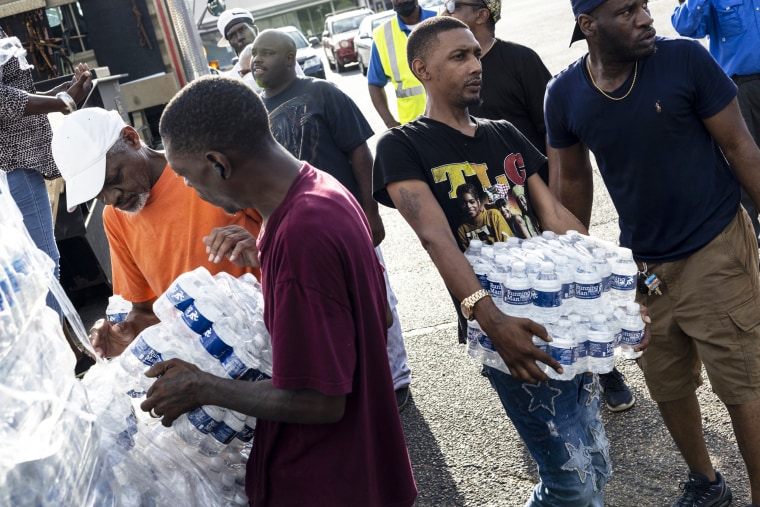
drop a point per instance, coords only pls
(468, 303)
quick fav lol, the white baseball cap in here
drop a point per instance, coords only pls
(236, 15)
(80, 143)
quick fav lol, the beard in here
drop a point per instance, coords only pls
(613, 46)
(140, 202)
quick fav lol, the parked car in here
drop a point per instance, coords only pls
(432, 5)
(308, 57)
(338, 37)
(363, 39)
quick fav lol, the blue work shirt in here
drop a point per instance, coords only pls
(733, 27)
(375, 73)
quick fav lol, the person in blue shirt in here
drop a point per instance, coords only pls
(663, 122)
(733, 28)
(388, 62)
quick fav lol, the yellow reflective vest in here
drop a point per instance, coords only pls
(390, 41)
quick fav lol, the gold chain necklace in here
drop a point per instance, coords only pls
(635, 73)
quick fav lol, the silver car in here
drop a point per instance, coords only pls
(363, 39)
(308, 57)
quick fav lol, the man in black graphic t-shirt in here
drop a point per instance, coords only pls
(418, 168)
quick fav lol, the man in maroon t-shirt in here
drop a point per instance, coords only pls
(328, 430)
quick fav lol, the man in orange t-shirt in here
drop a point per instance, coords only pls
(155, 223)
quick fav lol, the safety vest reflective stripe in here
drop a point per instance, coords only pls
(391, 45)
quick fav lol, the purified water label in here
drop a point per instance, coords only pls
(201, 420)
(223, 433)
(568, 290)
(214, 345)
(246, 434)
(622, 282)
(564, 356)
(495, 288)
(588, 290)
(547, 299)
(486, 342)
(599, 349)
(518, 297)
(145, 353)
(195, 320)
(628, 337)
(179, 297)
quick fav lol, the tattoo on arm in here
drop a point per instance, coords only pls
(410, 205)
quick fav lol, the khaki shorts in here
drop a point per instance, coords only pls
(708, 313)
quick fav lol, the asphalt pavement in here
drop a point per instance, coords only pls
(464, 450)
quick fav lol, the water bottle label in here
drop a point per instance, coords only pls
(117, 317)
(12, 278)
(178, 297)
(606, 281)
(201, 420)
(2, 302)
(246, 434)
(622, 282)
(547, 299)
(223, 433)
(214, 345)
(568, 290)
(599, 349)
(254, 375)
(588, 290)
(20, 266)
(628, 337)
(136, 394)
(486, 342)
(483, 279)
(495, 289)
(195, 320)
(145, 353)
(6, 290)
(564, 356)
(234, 367)
(518, 297)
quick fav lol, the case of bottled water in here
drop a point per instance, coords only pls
(87, 443)
(559, 281)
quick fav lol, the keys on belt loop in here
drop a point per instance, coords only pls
(648, 283)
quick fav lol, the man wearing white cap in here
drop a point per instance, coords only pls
(155, 224)
(237, 29)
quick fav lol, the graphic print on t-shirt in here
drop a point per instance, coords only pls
(505, 209)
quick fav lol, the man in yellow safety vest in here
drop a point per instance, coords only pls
(388, 62)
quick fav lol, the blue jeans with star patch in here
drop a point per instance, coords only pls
(560, 425)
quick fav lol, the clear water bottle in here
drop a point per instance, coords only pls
(192, 427)
(481, 268)
(588, 289)
(483, 348)
(600, 356)
(496, 279)
(118, 308)
(623, 279)
(547, 295)
(632, 331)
(603, 268)
(241, 364)
(580, 329)
(563, 348)
(474, 250)
(204, 310)
(567, 278)
(222, 434)
(185, 288)
(150, 347)
(518, 292)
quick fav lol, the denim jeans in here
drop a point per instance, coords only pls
(30, 194)
(560, 424)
